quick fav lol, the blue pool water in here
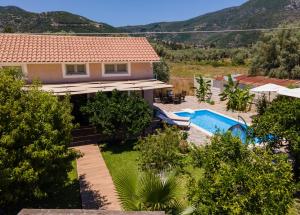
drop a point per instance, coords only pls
(213, 122)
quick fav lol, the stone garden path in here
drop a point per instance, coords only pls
(96, 185)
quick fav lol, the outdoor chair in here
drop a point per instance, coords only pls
(183, 95)
(167, 99)
(172, 119)
(177, 99)
(157, 100)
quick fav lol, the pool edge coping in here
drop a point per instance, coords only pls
(207, 109)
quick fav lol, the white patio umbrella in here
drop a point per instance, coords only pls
(268, 88)
(290, 92)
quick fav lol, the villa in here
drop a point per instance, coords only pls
(83, 65)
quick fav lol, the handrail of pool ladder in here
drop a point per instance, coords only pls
(244, 121)
(238, 125)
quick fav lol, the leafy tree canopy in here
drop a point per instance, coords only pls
(277, 55)
(279, 125)
(179, 52)
(238, 180)
(162, 71)
(118, 116)
(162, 151)
(35, 132)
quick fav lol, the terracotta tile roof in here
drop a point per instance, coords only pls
(25, 48)
(256, 81)
(261, 80)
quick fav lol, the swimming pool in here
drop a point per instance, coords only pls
(211, 122)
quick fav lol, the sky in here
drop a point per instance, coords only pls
(127, 12)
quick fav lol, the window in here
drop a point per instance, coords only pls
(118, 69)
(76, 69)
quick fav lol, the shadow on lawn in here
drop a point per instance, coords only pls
(118, 148)
(65, 197)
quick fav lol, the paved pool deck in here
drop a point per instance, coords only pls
(191, 102)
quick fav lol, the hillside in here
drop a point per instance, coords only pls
(20, 20)
(252, 14)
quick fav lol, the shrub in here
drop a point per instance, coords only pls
(238, 180)
(262, 105)
(162, 151)
(239, 58)
(118, 116)
(35, 133)
(295, 74)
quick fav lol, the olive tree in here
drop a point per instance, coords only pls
(35, 133)
(239, 180)
(277, 54)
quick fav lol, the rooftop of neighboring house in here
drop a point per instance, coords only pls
(30, 48)
(256, 81)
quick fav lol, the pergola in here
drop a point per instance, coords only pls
(104, 86)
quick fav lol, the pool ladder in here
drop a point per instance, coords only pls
(239, 126)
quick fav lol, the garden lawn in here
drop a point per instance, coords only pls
(120, 158)
(123, 158)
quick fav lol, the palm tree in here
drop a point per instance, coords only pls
(150, 192)
(230, 88)
(204, 90)
(237, 99)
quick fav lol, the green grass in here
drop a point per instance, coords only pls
(120, 158)
(189, 69)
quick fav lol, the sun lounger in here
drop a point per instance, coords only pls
(169, 121)
(174, 116)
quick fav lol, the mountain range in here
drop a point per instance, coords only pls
(252, 14)
(19, 20)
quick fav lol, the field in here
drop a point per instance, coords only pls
(182, 74)
(190, 69)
